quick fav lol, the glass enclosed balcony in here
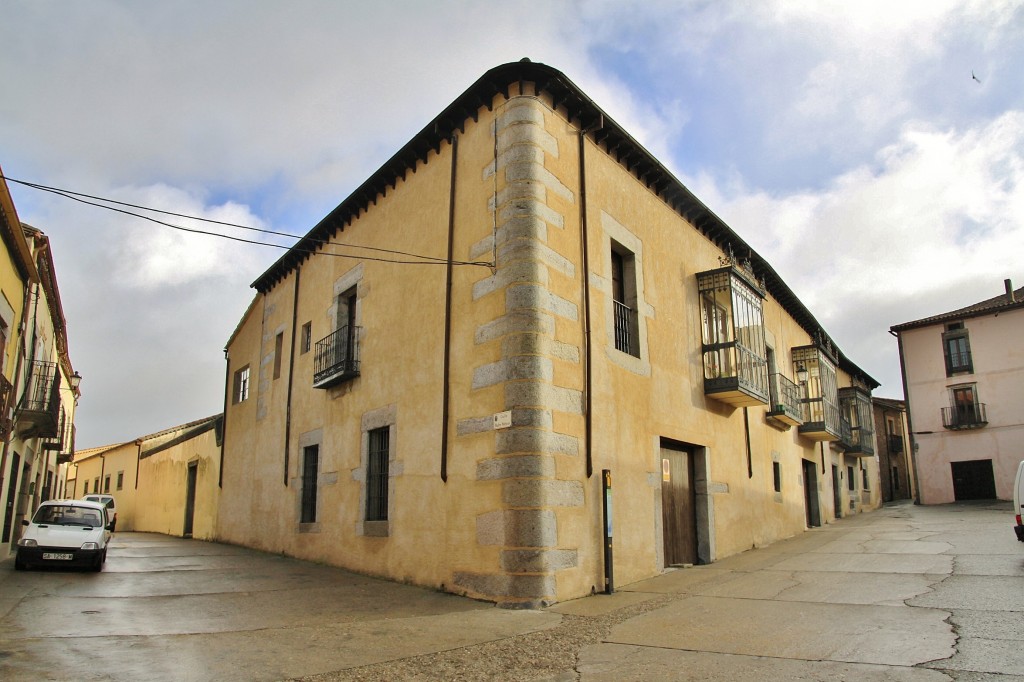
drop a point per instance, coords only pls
(821, 400)
(785, 403)
(732, 319)
(855, 405)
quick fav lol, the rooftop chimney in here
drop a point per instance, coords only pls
(1009, 290)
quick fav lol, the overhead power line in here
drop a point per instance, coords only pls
(113, 204)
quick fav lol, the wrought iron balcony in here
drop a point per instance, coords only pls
(964, 416)
(855, 405)
(735, 375)
(820, 400)
(38, 413)
(336, 357)
(959, 361)
(784, 400)
(822, 421)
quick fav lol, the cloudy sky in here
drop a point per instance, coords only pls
(846, 141)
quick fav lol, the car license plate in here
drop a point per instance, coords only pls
(60, 556)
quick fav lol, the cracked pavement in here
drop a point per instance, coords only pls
(902, 593)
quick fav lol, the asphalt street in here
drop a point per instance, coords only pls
(902, 593)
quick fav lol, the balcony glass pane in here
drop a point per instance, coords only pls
(732, 330)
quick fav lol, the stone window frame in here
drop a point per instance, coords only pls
(617, 237)
(309, 439)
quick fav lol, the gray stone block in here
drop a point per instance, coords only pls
(517, 528)
(536, 492)
(515, 467)
(538, 560)
(503, 585)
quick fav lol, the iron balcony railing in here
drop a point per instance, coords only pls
(784, 400)
(38, 413)
(964, 416)
(959, 361)
(857, 440)
(625, 323)
(821, 419)
(336, 357)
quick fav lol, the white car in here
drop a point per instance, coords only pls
(1018, 502)
(108, 501)
(65, 533)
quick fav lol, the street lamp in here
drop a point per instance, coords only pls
(75, 380)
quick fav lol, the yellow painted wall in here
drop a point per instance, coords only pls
(163, 478)
(518, 519)
(110, 462)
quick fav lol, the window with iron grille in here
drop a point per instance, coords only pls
(377, 475)
(310, 467)
(624, 300)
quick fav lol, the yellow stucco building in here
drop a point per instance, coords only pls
(524, 363)
(39, 389)
(166, 482)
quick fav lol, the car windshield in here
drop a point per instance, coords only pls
(67, 515)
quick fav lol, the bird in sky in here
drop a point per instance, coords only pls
(975, 77)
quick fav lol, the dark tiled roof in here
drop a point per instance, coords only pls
(996, 304)
(602, 130)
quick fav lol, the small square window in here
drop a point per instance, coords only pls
(106, 483)
(306, 341)
(120, 480)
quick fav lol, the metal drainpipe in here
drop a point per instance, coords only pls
(224, 418)
(910, 425)
(587, 360)
(291, 377)
(446, 372)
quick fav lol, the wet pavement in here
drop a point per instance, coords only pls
(903, 593)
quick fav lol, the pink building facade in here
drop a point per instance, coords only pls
(963, 377)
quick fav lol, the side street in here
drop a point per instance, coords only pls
(902, 593)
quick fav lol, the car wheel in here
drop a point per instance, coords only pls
(97, 565)
(104, 555)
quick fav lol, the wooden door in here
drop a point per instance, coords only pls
(811, 506)
(678, 507)
(190, 499)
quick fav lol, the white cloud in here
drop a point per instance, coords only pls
(151, 255)
(936, 223)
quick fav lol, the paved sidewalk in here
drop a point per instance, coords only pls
(903, 593)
